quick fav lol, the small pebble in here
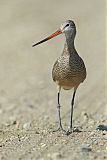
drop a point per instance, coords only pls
(104, 132)
(102, 127)
(37, 132)
(86, 149)
(27, 126)
(85, 115)
(1, 145)
(43, 144)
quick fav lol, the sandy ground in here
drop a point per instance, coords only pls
(28, 111)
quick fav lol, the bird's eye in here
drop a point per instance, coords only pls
(67, 25)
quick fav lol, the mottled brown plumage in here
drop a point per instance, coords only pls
(69, 69)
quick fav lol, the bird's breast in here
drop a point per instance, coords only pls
(69, 71)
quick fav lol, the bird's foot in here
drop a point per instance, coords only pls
(76, 129)
(60, 129)
(73, 129)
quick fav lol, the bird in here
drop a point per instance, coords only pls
(69, 70)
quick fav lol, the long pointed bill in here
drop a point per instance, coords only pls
(51, 36)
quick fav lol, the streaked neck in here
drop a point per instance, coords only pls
(69, 46)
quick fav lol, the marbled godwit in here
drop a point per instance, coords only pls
(69, 69)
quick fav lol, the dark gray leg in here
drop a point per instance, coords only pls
(72, 105)
(59, 113)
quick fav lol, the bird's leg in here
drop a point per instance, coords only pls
(72, 105)
(59, 113)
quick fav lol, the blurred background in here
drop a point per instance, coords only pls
(23, 23)
(27, 92)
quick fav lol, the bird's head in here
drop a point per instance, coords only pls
(68, 28)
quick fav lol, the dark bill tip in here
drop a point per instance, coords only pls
(40, 42)
(46, 39)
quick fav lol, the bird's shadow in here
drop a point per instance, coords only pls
(102, 127)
